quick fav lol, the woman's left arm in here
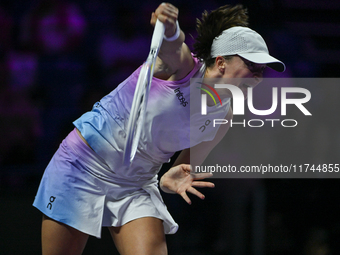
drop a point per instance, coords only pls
(181, 178)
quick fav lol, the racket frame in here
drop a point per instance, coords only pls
(140, 98)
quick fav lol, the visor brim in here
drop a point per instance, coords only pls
(263, 58)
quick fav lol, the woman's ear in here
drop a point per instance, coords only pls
(220, 64)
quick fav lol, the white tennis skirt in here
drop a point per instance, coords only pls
(79, 189)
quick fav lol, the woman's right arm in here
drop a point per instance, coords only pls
(174, 60)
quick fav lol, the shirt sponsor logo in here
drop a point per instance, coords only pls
(180, 97)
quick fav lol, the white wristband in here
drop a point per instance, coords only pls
(175, 36)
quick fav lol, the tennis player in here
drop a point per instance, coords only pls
(86, 186)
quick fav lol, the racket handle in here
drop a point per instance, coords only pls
(157, 36)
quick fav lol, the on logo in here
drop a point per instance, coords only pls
(49, 205)
(202, 128)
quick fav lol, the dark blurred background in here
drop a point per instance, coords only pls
(57, 58)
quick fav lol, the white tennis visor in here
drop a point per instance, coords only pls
(246, 43)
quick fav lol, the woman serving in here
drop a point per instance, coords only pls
(86, 186)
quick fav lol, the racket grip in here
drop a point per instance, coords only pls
(157, 36)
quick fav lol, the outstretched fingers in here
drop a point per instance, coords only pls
(195, 192)
(203, 184)
(201, 176)
(185, 197)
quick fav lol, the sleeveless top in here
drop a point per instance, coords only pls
(173, 122)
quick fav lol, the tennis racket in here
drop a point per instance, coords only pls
(140, 98)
